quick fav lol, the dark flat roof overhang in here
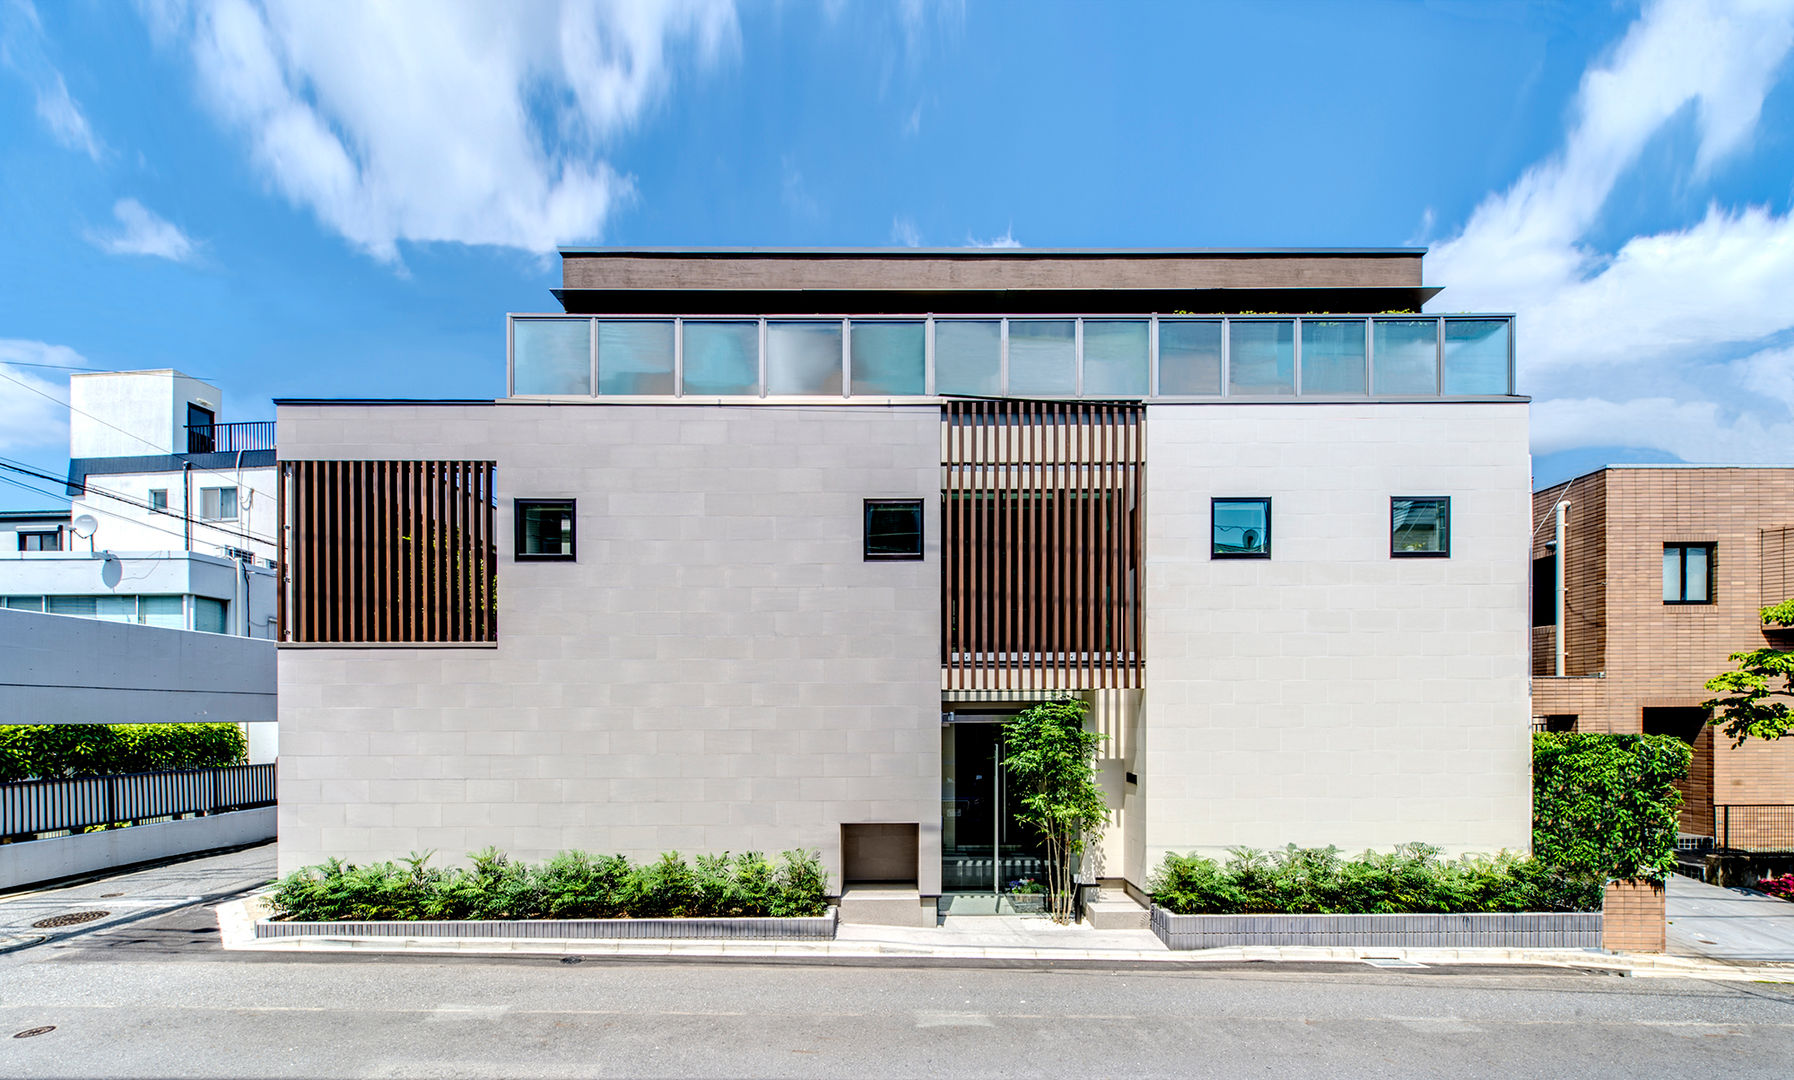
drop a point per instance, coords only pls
(1296, 301)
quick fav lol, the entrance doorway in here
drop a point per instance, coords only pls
(990, 862)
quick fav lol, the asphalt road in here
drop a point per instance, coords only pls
(156, 997)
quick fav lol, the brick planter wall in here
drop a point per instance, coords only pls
(1633, 918)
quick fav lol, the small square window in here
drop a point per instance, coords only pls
(1241, 528)
(893, 529)
(218, 504)
(158, 499)
(545, 530)
(1420, 527)
(1688, 573)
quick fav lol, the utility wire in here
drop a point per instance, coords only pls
(127, 500)
(100, 420)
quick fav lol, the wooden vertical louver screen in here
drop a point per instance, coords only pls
(1778, 564)
(1041, 542)
(387, 552)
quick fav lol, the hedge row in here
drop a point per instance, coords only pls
(572, 885)
(1411, 879)
(1607, 805)
(29, 751)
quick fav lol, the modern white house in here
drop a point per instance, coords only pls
(171, 518)
(759, 549)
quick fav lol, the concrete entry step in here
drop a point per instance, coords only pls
(886, 905)
(1116, 910)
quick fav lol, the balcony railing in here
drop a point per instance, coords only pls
(230, 438)
(1144, 357)
(1753, 827)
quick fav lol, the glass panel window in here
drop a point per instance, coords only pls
(967, 357)
(803, 358)
(545, 530)
(893, 529)
(115, 608)
(1688, 573)
(1241, 528)
(1476, 356)
(635, 358)
(1406, 356)
(164, 611)
(551, 356)
(208, 614)
(218, 504)
(83, 606)
(158, 498)
(1332, 356)
(1115, 358)
(40, 541)
(22, 603)
(1420, 527)
(722, 358)
(889, 358)
(1189, 357)
(202, 432)
(1042, 357)
(1261, 357)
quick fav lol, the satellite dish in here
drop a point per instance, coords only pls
(85, 525)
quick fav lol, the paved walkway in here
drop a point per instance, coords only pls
(131, 895)
(1736, 925)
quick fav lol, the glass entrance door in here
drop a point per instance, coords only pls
(989, 861)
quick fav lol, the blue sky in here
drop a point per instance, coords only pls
(301, 198)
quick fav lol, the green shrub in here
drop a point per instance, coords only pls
(572, 885)
(29, 751)
(1606, 806)
(1410, 879)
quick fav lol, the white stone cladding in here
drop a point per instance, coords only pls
(1333, 694)
(720, 670)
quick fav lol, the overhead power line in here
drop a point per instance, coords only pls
(137, 503)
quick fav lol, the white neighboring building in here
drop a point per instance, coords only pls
(171, 517)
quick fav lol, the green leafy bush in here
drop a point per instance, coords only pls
(572, 885)
(29, 751)
(1410, 879)
(1605, 806)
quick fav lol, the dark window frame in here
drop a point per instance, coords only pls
(1445, 551)
(899, 556)
(1712, 553)
(518, 506)
(54, 536)
(1215, 502)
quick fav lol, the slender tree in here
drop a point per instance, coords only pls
(1753, 700)
(1051, 761)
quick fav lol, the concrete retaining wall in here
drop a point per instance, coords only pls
(84, 853)
(1522, 930)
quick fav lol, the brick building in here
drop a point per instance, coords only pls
(1665, 569)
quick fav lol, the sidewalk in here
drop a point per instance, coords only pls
(971, 940)
(1734, 925)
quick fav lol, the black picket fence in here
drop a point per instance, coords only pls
(32, 807)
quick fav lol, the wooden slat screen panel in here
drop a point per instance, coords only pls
(387, 552)
(1778, 565)
(1041, 541)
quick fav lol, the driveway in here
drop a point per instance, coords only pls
(1728, 924)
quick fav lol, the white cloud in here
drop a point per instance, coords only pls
(22, 50)
(142, 232)
(905, 233)
(29, 418)
(441, 120)
(1007, 240)
(1641, 346)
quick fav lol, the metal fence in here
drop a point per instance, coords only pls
(226, 438)
(30, 807)
(1753, 828)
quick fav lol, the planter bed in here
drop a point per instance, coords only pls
(1522, 930)
(805, 928)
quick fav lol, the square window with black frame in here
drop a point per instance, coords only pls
(545, 530)
(1688, 573)
(893, 529)
(1420, 527)
(1241, 528)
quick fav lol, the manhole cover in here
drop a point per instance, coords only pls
(29, 1032)
(73, 918)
